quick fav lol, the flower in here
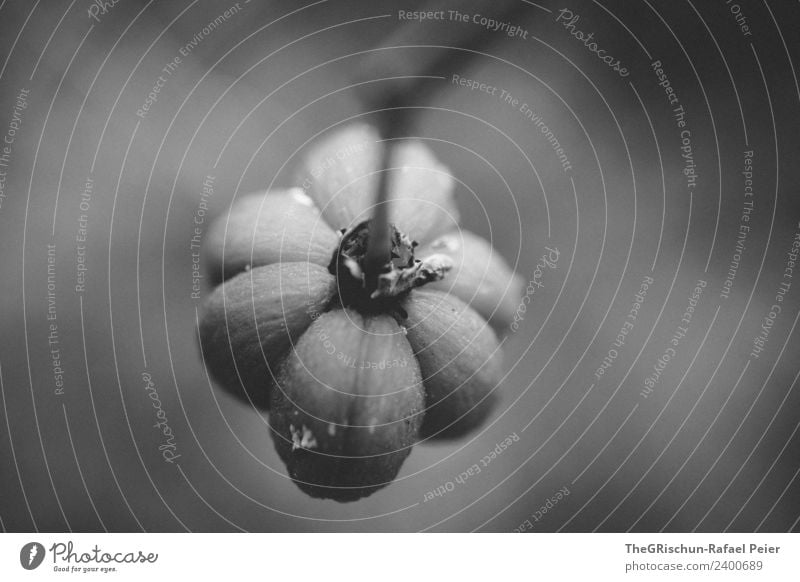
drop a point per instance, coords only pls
(356, 367)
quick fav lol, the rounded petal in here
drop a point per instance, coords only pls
(249, 322)
(348, 405)
(460, 361)
(480, 277)
(265, 228)
(340, 173)
(421, 192)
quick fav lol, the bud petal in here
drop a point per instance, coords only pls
(265, 228)
(421, 191)
(480, 277)
(348, 405)
(341, 171)
(249, 322)
(460, 361)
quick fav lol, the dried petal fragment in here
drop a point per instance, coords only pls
(460, 361)
(249, 321)
(480, 277)
(400, 274)
(351, 386)
(265, 228)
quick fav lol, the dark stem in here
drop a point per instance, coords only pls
(412, 78)
(379, 246)
(392, 124)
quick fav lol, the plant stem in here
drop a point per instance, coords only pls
(412, 73)
(379, 241)
(392, 124)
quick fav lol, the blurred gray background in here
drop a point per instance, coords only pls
(713, 446)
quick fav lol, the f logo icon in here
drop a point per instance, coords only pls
(31, 555)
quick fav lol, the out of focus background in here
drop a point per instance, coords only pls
(650, 147)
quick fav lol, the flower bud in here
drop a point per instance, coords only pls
(421, 191)
(265, 228)
(356, 359)
(249, 322)
(342, 173)
(460, 361)
(348, 405)
(479, 277)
